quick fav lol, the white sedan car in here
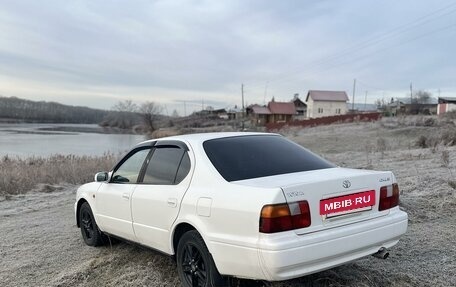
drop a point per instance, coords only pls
(246, 205)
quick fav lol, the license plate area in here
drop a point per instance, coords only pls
(347, 204)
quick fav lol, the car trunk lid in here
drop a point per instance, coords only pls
(349, 195)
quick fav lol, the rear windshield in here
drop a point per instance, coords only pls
(246, 157)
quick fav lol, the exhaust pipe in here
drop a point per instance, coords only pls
(382, 253)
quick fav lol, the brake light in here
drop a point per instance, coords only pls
(389, 197)
(283, 217)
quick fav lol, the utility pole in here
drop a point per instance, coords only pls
(353, 100)
(411, 97)
(265, 92)
(411, 93)
(365, 100)
(185, 109)
(243, 109)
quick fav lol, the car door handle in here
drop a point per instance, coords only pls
(126, 196)
(172, 202)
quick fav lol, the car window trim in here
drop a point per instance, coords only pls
(174, 143)
(178, 167)
(164, 144)
(144, 166)
(129, 155)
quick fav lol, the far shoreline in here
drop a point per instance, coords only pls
(55, 128)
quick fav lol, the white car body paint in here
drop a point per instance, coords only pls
(227, 214)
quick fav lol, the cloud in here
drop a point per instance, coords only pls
(97, 52)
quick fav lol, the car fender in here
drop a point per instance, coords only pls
(87, 192)
(213, 245)
(194, 221)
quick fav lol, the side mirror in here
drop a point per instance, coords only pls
(101, 176)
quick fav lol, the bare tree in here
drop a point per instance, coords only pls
(124, 115)
(125, 106)
(150, 112)
(419, 102)
(422, 97)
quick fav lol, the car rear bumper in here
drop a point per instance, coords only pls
(287, 255)
(290, 255)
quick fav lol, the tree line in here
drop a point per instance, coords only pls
(16, 109)
(145, 117)
(127, 115)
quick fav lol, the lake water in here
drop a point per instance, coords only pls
(26, 140)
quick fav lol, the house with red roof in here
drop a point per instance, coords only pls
(281, 112)
(258, 114)
(274, 112)
(326, 103)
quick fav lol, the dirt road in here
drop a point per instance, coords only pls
(40, 246)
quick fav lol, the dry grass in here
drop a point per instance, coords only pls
(18, 175)
(425, 256)
(445, 158)
(452, 184)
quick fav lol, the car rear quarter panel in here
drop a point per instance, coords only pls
(231, 228)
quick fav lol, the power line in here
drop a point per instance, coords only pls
(387, 48)
(372, 40)
(390, 47)
(319, 67)
(349, 61)
(369, 86)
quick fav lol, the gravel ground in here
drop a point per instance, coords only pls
(40, 246)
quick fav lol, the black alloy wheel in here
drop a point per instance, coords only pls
(195, 265)
(90, 233)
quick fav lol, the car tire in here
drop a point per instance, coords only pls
(90, 233)
(195, 265)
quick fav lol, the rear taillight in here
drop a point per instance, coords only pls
(389, 197)
(283, 217)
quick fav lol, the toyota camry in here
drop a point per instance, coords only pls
(245, 205)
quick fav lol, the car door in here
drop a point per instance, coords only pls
(113, 198)
(156, 200)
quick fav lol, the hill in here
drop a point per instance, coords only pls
(14, 109)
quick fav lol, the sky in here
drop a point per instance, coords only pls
(186, 55)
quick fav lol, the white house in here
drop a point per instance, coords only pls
(326, 103)
(446, 104)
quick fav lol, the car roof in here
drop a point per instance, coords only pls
(202, 137)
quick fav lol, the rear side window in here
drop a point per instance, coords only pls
(246, 157)
(184, 168)
(164, 166)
